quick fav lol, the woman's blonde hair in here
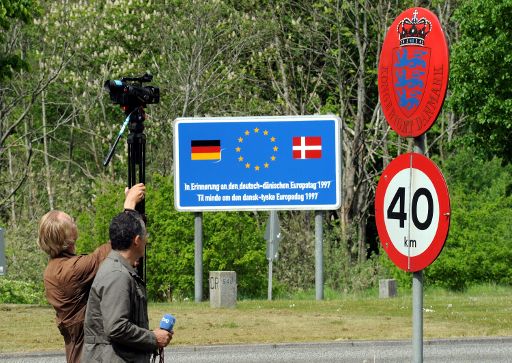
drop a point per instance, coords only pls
(55, 232)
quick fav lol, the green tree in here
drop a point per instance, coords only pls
(20, 85)
(11, 12)
(478, 248)
(481, 76)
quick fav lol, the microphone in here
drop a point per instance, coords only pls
(167, 322)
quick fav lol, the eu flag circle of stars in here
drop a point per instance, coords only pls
(264, 139)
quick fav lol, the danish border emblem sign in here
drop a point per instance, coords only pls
(412, 211)
(413, 72)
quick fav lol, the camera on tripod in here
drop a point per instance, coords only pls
(129, 91)
(132, 96)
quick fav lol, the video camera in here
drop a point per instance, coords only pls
(129, 92)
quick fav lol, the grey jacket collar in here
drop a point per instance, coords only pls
(115, 255)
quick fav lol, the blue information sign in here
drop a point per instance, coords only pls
(257, 163)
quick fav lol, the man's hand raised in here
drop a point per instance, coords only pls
(134, 195)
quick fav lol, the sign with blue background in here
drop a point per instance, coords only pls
(257, 163)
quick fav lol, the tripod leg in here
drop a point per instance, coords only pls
(136, 156)
(131, 161)
(142, 179)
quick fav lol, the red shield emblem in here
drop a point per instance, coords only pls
(413, 72)
(410, 75)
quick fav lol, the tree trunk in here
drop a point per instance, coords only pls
(11, 182)
(49, 189)
(30, 181)
(361, 35)
(71, 143)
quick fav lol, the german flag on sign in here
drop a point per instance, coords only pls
(205, 149)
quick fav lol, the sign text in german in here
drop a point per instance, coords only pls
(257, 163)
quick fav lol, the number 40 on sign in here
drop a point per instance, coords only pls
(412, 211)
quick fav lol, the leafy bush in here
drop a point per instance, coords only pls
(295, 266)
(25, 260)
(341, 272)
(231, 241)
(478, 248)
(93, 227)
(21, 292)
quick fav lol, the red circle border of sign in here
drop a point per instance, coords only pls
(425, 115)
(427, 166)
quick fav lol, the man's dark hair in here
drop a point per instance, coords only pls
(123, 228)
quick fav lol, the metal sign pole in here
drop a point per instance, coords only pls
(417, 316)
(417, 287)
(319, 257)
(269, 279)
(272, 236)
(198, 256)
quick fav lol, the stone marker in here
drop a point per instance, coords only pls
(222, 289)
(387, 288)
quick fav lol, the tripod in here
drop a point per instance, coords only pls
(137, 157)
(136, 160)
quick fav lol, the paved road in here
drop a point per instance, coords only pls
(485, 350)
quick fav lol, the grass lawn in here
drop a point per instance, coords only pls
(479, 312)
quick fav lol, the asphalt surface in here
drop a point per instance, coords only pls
(482, 350)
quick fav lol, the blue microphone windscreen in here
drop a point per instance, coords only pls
(167, 322)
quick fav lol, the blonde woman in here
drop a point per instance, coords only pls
(68, 277)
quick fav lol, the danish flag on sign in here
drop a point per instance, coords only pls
(307, 147)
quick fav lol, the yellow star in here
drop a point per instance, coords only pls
(273, 158)
(272, 139)
(265, 132)
(257, 168)
(247, 132)
(238, 149)
(241, 158)
(240, 140)
(266, 165)
(256, 130)
(247, 165)
(275, 148)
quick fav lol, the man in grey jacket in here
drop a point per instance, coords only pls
(116, 325)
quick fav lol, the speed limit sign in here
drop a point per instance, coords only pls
(412, 211)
